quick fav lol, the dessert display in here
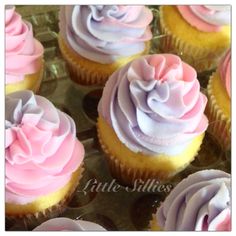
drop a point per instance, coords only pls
(201, 202)
(149, 151)
(96, 40)
(151, 118)
(199, 34)
(23, 53)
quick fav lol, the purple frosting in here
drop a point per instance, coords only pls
(154, 105)
(105, 33)
(199, 202)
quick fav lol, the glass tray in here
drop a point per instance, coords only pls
(125, 209)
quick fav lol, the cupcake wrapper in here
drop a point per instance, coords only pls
(220, 125)
(80, 74)
(153, 226)
(127, 176)
(31, 220)
(202, 59)
(40, 79)
(86, 75)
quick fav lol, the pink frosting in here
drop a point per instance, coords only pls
(41, 149)
(225, 225)
(225, 71)
(154, 104)
(22, 50)
(205, 18)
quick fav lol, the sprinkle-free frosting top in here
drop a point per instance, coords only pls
(66, 224)
(23, 51)
(207, 18)
(104, 33)
(201, 202)
(41, 149)
(154, 105)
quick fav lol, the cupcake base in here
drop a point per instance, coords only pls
(30, 82)
(153, 226)
(45, 207)
(218, 112)
(202, 50)
(86, 72)
(127, 166)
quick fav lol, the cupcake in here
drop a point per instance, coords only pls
(43, 158)
(151, 118)
(201, 202)
(219, 106)
(199, 34)
(95, 40)
(23, 54)
(67, 224)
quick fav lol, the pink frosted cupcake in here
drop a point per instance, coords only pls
(67, 224)
(43, 158)
(23, 54)
(201, 202)
(95, 40)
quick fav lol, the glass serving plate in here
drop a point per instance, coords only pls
(125, 209)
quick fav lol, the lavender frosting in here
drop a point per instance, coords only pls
(67, 224)
(199, 202)
(154, 105)
(105, 33)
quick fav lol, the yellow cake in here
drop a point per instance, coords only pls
(87, 72)
(127, 166)
(44, 203)
(30, 82)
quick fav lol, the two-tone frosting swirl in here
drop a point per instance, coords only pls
(225, 71)
(66, 224)
(207, 18)
(154, 104)
(105, 33)
(201, 202)
(23, 51)
(41, 149)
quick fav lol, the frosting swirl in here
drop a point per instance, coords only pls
(105, 33)
(207, 18)
(154, 104)
(41, 150)
(22, 49)
(225, 71)
(200, 202)
(66, 224)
